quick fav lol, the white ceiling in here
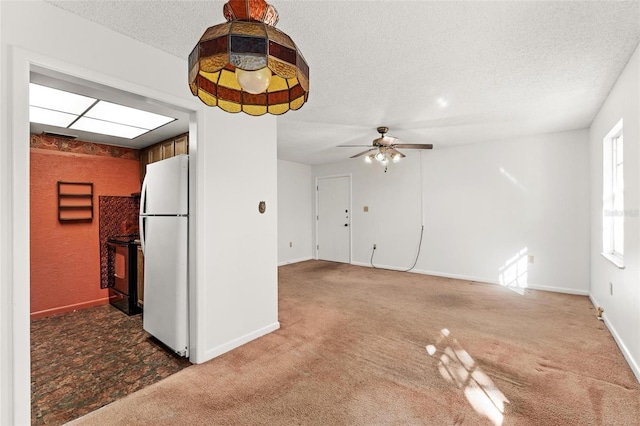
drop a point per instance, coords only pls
(441, 72)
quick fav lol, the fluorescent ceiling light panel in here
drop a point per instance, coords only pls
(115, 113)
(59, 108)
(107, 128)
(50, 117)
(58, 100)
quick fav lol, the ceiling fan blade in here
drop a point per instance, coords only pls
(414, 145)
(363, 153)
(351, 146)
(395, 152)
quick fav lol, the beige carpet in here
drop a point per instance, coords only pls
(371, 347)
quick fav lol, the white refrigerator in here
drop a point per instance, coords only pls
(164, 230)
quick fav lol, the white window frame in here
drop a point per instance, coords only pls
(613, 213)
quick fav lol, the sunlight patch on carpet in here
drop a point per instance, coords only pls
(457, 367)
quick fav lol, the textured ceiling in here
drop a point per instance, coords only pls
(441, 72)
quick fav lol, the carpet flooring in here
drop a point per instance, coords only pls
(88, 358)
(373, 347)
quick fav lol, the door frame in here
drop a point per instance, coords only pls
(15, 369)
(315, 220)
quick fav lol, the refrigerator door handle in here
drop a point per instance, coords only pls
(141, 231)
(143, 208)
(143, 197)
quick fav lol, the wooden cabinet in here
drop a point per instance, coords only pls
(155, 153)
(163, 150)
(182, 145)
(168, 149)
(144, 160)
(150, 155)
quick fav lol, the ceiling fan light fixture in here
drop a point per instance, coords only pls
(384, 149)
(247, 65)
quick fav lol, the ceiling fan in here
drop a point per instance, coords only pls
(384, 148)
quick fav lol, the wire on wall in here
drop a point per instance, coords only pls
(415, 262)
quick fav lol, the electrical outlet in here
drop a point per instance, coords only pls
(530, 258)
(290, 244)
(366, 209)
(611, 289)
(374, 246)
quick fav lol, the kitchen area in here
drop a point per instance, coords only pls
(92, 322)
(112, 213)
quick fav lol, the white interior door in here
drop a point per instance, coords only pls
(334, 219)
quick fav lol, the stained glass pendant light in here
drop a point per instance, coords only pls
(248, 65)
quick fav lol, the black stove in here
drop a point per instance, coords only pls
(122, 268)
(124, 239)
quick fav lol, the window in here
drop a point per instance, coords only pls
(613, 196)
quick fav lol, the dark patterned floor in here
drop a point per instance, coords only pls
(85, 359)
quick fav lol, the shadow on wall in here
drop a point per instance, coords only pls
(457, 367)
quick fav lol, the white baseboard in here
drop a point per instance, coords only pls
(559, 289)
(368, 265)
(226, 347)
(478, 279)
(288, 262)
(635, 366)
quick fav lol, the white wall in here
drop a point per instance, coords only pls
(622, 309)
(6, 356)
(295, 200)
(239, 274)
(233, 285)
(485, 207)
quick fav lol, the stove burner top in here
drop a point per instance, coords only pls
(128, 238)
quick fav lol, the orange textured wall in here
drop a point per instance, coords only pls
(65, 257)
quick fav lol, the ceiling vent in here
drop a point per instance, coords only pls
(59, 135)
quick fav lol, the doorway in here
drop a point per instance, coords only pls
(16, 308)
(78, 341)
(333, 218)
